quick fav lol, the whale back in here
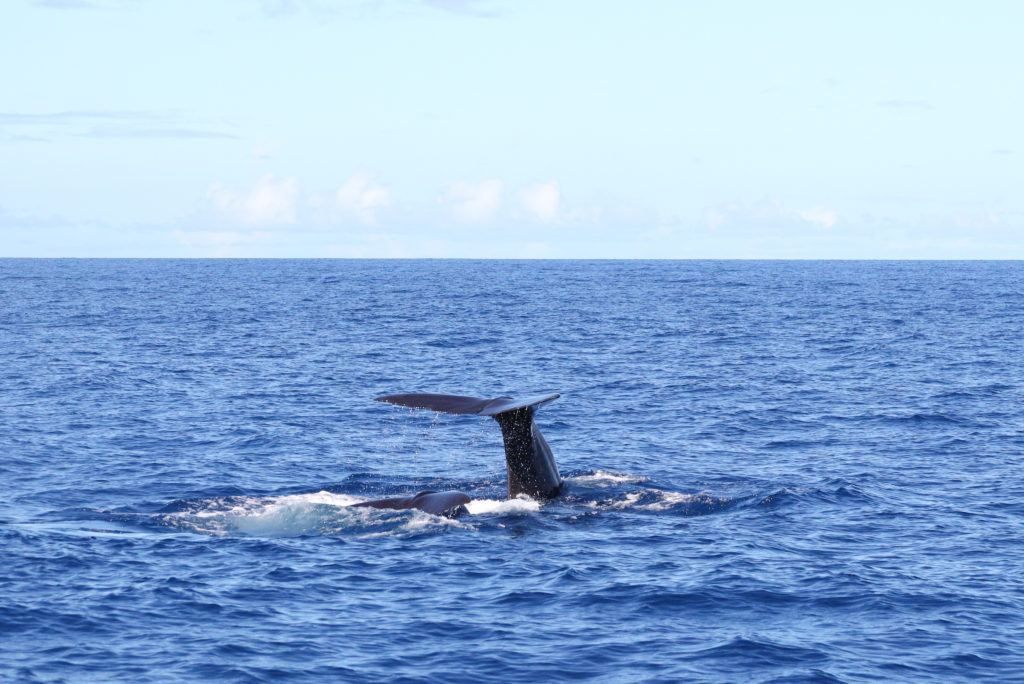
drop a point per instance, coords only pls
(429, 501)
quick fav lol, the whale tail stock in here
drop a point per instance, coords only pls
(531, 466)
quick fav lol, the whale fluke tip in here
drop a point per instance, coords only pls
(460, 405)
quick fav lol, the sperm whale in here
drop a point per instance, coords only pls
(429, 501)
(529, 462)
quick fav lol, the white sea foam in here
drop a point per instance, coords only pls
(261, 506)
(669, 499)
(299, 514)
(607, 477)
(417, 521)
(321, 497)
(421, 521)
(653, 500)
(521, 505)
(628, 502)
(326, 513)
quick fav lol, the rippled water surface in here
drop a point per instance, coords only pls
(778, 471)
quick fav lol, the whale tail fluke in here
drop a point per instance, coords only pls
(458, 405)
(531, 465)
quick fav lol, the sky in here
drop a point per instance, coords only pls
(512, 129)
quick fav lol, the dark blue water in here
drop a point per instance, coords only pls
(778, 471)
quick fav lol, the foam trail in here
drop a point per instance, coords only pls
(521, 505)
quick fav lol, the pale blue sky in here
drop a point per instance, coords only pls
(521, 128)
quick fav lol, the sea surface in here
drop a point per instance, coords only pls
(777, 471)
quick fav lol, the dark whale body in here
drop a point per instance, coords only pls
(528, 458)
(429, 501)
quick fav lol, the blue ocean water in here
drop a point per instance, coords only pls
(778, 471)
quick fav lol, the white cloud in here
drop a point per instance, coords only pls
(826, 218)
(362, 197)
(906, 105)
(264, 149)
(767, 214)
(219, 238)
(475, 8)
(541, 200)
(81, 4)
(113, 123)
(269, 202)
(473, 202)
(740, 215)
